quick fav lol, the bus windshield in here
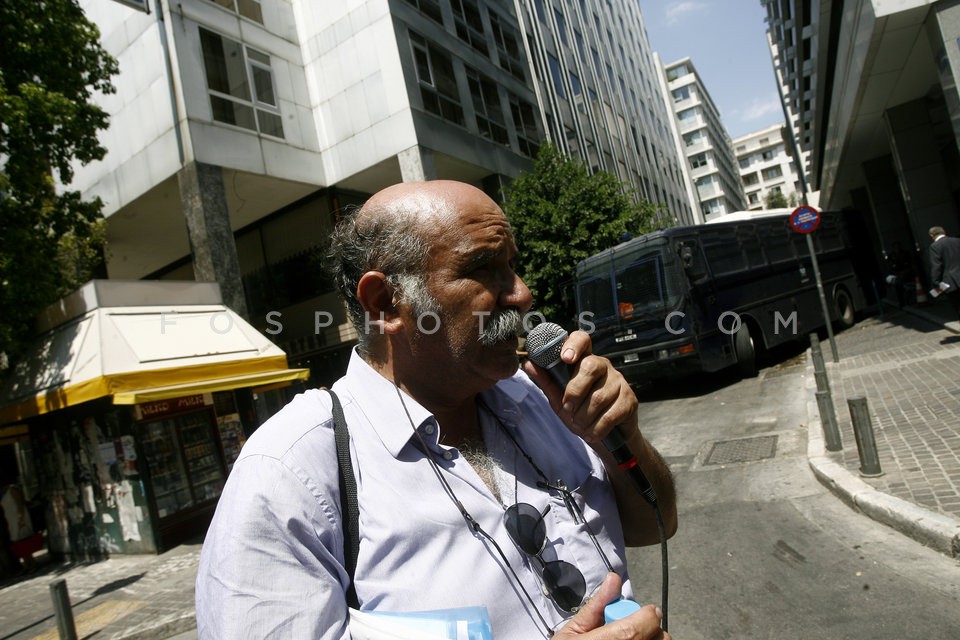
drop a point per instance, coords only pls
(641, 287)
(629, 285)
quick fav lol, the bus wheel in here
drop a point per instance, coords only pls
(846, 314)
(746, 352)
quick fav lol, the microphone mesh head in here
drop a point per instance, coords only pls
(544, 343)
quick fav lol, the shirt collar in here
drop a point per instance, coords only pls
(376, 398)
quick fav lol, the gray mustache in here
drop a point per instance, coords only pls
(501, 326)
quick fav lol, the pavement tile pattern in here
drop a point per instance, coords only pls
(913, 397)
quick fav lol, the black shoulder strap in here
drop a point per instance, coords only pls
(349, 507)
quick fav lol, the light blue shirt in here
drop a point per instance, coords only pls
(272, 562)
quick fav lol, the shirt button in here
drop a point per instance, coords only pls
(448, 455)
(428, 429)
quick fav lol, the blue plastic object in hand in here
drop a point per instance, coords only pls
(619, 609)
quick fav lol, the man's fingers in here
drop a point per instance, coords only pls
(577, 345)
(590, 615)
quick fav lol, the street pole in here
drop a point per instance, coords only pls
(823, 297)
(62, 610)
(805, 193)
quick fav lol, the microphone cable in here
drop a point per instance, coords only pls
(628, 463)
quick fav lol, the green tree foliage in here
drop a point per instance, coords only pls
(51, 65)
(560, 215)
(775, 200)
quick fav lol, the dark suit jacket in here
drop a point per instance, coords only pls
(945, 262)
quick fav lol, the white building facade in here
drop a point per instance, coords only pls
(706, 143)
(766, 165)
(240, 129)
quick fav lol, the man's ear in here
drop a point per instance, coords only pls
(376, 297)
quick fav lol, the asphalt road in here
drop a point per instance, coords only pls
(763, 550)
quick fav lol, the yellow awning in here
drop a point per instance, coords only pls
(159, 384)
(209, 386)
(140, 341)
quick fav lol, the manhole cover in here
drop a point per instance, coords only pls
(742, 450)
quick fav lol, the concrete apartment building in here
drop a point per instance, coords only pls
(705, 142)
(766, 165)
(870, 91)
(240, 128)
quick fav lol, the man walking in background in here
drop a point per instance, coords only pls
(945, 266)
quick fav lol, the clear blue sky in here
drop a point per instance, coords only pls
(727, 43)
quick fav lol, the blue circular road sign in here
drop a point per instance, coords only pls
(804, 219)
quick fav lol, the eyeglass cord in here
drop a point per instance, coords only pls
(559, 487)
(571, 503)
(473, 524)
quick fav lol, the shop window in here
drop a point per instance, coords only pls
(240, 83)
(229, 426)
(185, 461)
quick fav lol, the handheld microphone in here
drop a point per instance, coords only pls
(544, 345)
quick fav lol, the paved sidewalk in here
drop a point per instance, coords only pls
(913, 398)
(142, 597)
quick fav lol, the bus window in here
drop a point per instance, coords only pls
(776, 243)
(750, 245)
(640, 288)
(723, 252)
(596, 294)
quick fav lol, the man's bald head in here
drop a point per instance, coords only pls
(433, 202)
(393, 233)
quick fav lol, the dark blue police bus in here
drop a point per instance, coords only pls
(707, 297)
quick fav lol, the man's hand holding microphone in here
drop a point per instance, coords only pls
(597, 404)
